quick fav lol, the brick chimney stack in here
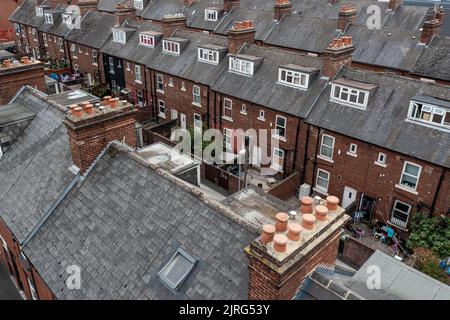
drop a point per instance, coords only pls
(229, 4)
(430, 29)
(347, 16)
(285, 253)
(123, 12)
(171, 22)
(242, 32)
(338, 53)
(282, 8)
(393, 4)
(87, 5)
(90, 129)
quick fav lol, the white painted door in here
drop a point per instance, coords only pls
(182, 121)
(348, 197)
(173, 114)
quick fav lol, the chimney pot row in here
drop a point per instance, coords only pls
(281, 2)
(282, 221)
(341, 42)
(243, 25)
(295, 230)
(308, 221)
(280, 243)
(267, 233)
(332, 203)
(306, 205)
(321, 213)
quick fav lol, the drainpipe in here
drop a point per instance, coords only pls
(432, 210)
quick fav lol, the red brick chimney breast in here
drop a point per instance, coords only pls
(430, 29)
(282, 8)
(172, 22)
(338, 53)
(242, 32)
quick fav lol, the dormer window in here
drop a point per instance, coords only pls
(119, 36)
(351, 96)
(66, 19)
(211, 15)
(139, 4)
(208, 55)
(49, 18)
(171, 47)
(241, 66)
(428, 113)
(293, 78)
(39, 11)
(146, 40)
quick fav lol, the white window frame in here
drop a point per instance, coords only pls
(241, 66)
(303, 78)
(197, 122)
(244, 109)
(60, 44)
(284, 127)
(262, 115)
(275, 164)
(183, 86)
(76, 68)
(146, 40)
(322, 145)
(119, 36)
(161, 104)
(228, 135)
(137, 74)
(140, 97)
(160, 82)
(94, 57)
(413, 113)
(350, 92)
(39, 11)
(352, 149)
(396, 221)
(66, 18)
(319, 188)
(208, 56)
(211, 15)
(380, 155)
(49, 18)
(73, 49)
(410, 175)
(171, 47)
(196, 95)
(32, 289)
(111, 65)
(229, 108)
(139, 4)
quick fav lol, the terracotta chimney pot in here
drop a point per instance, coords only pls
(267, 234)
(89, 108)
(306, 205)
(7, 63)
(114, 102)
(295, 230)
(308, 221)
(321, 213)
(332, 203)
(282, 221)
(106, 98)
(77, 112)
(84, 103)
(280, 242)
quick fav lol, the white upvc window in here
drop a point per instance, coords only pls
(227, 108)
(111, 64)
(244, 109)
(227, 139)
(278, 159)
(94, 56)
(400, 214)
(322, 181)
(410, 175)
(33, 31)
(137, 73)
(73, 49)
(293, 78)
(351, 96)
(211, 15)
(197, 121)
(262, 115)
(49, 18)
(146, 40)
(76, 68)
(183, 86)
(280, 126)
(241, 66)
(66, 19)
(32, 289)
(162, 109)
(429, 114)
(381, 158)
(171, 47)
(196, 99)
(119, 36)
(60, 44)
(139, 4)
(207, 55)
(140, 97)
(160, 83)
(39, 11)
(327, 146)
(353, 148)
(44, 37)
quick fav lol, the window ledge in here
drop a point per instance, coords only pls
(196, 104)
(324, 193)
(398, 186)
(261, 119)
(227, 118)
(138, 81)
(162, 115)
(401, 228)
(380, 164)
(94, 64)
(160, 91)
(244, 113)
(279, 138)
(352, 154)
(325, 159)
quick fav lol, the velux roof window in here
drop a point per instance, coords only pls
(176, 271)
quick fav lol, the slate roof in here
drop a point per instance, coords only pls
(398, 281)
(434, 62)
(95, 30)
(14, 112)
(23, 13)
(35, 171)
(195, 14)
(123, 223)
(263, 21)
(109, 5)
(159, 8)
(132, 51)
(262, 88)
(58, 27)
(383, 122)
(186, 65)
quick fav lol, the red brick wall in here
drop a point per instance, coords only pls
(362, 174)
(12, 80)
(266, 284)
(85, 61)
(144, 111)
(287, 188)
(6, 27)
(52, 48)
(355, 252)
